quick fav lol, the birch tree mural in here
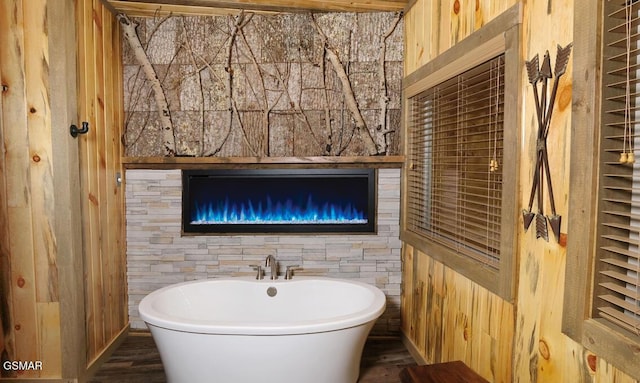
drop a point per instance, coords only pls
(263, 85)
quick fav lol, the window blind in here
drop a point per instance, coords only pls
(455, 149)
(617, 291)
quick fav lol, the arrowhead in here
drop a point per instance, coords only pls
(554, 222)
(527, 217)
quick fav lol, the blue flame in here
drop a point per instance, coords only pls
(278, 212)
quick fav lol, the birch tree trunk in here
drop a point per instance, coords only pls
(384, 96)
(350, 98)
(164, 114)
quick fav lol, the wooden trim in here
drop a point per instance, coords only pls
(293, 162)
(585, 112)
(511, 149)
(410, 4)
(480, 46)
(501, 35)
(204, 7)
(99, 360)
(491, 279)
(619, 350)
(108, 6)
(413, 349)
(62, 60)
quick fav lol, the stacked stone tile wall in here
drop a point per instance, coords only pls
(158, 255)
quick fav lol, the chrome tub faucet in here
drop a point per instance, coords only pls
(271, 261)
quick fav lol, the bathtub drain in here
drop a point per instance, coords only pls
(272, 291)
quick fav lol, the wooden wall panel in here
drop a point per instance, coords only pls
(5, 269)
(32, 292)
(432, 27)
(39, 142)
(504, 342)
(100, 161)
(42, 309)
(447, 317)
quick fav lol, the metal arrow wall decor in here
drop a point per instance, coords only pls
(544, 109)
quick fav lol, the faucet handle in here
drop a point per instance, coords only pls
(289, 272)
(260, 271)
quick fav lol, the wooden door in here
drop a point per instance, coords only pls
(100, 104)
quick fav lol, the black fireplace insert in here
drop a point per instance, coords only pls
(217, 201)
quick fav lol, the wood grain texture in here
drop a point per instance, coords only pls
(542, 352)
(209, 7)
(19, 198)
(432, 27)
(62, 79)
(100, 161)
(39, 139)
(451, 372)
(452, 318)
(30, 252)
(501, 341)
(292, 162)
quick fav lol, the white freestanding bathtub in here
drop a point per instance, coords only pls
(236, 330)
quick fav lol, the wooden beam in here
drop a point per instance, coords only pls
(211, 7)
(248, 162)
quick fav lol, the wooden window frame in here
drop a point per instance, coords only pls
(619, 348)
(499, 36)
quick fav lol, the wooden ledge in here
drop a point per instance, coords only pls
(449, 372)
(261, 162)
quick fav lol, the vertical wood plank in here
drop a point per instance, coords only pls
(50, 339)
(87, 148)
(119, 154)
(444, 34)
(41, 186)
(6, 323)
(99, 175)
(63, 104)
(481, 7)
(115, 254)
(406, 306)
(420, 312)
(18, 198)
(101, 105)
(110, 192)
(5, 271)
(39, 128)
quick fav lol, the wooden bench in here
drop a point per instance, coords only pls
(449, 372)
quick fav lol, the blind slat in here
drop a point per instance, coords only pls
(620, 319)
(633, 294)
(626, 278)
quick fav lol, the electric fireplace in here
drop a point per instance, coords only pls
(278, 201)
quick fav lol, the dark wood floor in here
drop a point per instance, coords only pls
(137, 361)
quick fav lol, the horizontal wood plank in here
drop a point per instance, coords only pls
(248, 162)
(452, 372)
(207, 7)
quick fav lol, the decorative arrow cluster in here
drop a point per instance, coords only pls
(544, 109)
